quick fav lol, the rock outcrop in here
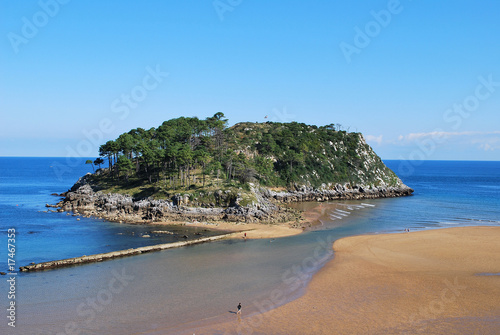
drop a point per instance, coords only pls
(85, 199)
(339, 192)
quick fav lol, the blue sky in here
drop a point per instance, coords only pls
(420, 79)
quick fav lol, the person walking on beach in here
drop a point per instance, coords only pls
(239, 309)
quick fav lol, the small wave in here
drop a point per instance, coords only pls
(475, 221)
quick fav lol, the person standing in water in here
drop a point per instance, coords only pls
(239, 309)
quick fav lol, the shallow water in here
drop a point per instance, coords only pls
(170, 287)
(160, 292)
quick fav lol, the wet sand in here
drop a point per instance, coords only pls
(428, 282)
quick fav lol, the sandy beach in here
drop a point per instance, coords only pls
(444, 281)
(252, 230)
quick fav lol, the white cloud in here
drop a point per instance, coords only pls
(445, 135)
(480, 140)
(374, 139)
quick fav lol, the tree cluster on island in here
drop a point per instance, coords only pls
(188, 153)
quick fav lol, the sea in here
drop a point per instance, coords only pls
(176, 290)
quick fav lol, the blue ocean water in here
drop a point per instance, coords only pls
(447, 193)
(174, 288)
(26, 185)
(453, 193)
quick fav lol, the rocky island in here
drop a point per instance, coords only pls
(189, 169)
(205, 173)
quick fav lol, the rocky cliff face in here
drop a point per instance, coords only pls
(85, 199)
(339, 192)
(310, 155)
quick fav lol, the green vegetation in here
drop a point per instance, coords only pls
(200, 157)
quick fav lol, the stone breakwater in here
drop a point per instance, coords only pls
(114, 254)
(84, 199)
